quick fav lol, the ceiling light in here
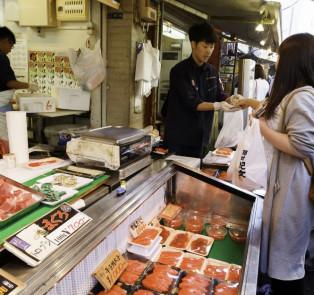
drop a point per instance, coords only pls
(262, 42)
(172, 32)
(259, 27)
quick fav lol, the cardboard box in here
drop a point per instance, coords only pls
(71, 99)
(35, 102)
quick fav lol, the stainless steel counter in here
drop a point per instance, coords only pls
(109, 214)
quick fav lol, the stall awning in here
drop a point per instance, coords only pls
(237, 18)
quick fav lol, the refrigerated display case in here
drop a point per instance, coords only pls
(69, 270)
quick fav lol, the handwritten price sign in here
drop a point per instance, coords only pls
(137, 227)
(110, 269)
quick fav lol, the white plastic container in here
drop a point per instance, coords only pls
(35, 102)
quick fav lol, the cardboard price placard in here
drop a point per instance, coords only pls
(170, 211)
(110, 269)
(137, 227)
(9, 284)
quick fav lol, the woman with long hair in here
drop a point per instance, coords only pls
(288, 213)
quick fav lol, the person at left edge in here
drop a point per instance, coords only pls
(195, 93)
(8, 80)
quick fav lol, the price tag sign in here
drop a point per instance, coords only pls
(137, 227)
(9, 284)
(110, 269)
(37, 241)
(154, 222)
(170, 211)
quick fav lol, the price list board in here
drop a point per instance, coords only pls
(37, 241)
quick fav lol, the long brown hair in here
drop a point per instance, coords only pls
(295, 69)
(259, 72)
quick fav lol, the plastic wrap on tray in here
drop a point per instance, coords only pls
(192, 262)
(193, 283)
(200, 244)
(134, 270)
(165, 233)
(216, 269)
(234, 273)
(223, 287)
(169, 256)
(179, 239)
(160, 278)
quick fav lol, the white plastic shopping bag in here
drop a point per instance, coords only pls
(248, 167)
(231, 130)
(88, 66)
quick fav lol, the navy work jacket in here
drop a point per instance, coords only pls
(191, 85)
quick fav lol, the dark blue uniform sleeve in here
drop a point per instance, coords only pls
(6, 72)
(182, 85)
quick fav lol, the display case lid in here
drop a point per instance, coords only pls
(115, 134)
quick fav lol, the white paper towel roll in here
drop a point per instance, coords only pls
(17, 134)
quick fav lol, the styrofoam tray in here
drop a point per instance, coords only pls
(215, 262)
(147, 227)
(208, 240)
(236, 267)
(193, 256)
(167, 249)
(168, 229)
(174, 234)
(80, 181)
(144, 250)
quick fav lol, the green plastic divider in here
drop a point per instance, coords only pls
(23, 221)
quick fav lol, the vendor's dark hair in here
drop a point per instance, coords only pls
(203, 32)
(295, 69)
(259, 72)
(5, 33)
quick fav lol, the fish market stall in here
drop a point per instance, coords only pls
(69, 270)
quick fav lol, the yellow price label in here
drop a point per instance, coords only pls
(110, 269)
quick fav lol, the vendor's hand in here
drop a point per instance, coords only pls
(235, 98)
(242, 103)
(224, 106)
(32, 87)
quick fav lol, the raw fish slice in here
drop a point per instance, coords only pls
(5, 188)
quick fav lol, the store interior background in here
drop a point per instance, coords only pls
(112, 103)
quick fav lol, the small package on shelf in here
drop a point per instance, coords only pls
(234, 273)
(169, 256)
(200, 244)
(193, 283)
(179, 239)
(216, 269)
(165, 234)
(134, 270)
(192, 262)
(223, 287)
(155, 271)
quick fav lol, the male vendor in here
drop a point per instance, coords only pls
(195, 93)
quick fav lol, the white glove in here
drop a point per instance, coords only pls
(32, 87)
(224, 106)
(235, 98)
